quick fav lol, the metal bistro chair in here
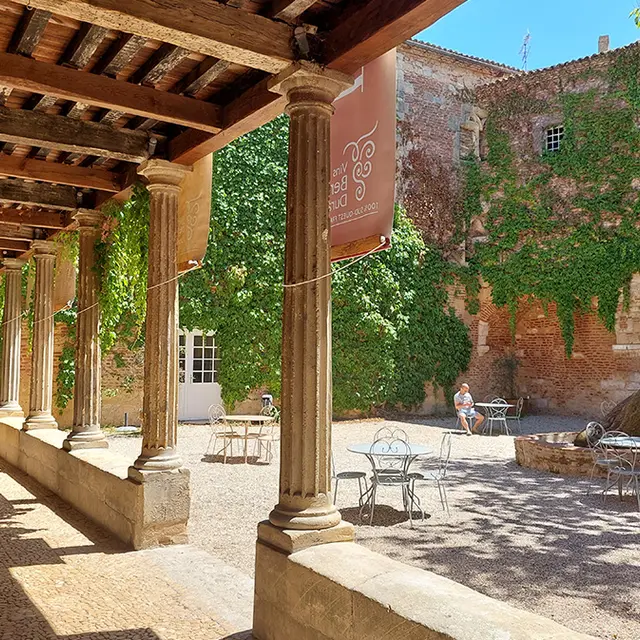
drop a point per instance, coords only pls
(438, 476)
(391, 471)
(626, 467)
(220, 430)
(606, 457)
(594, 431)
(497, 414)
(517, 413)
(269, 432)
(360, 476)
(471, 421)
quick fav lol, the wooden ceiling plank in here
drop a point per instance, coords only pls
(59, 82)
(119, 55)
(289, 10)
(200, 77)
(161, 62)
(206, 27)
(31, 218)
(56, 173)
(29, 31)
(76, 136)
(38, 194)
(377, 26)
(87, 39)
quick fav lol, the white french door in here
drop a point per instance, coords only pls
(198, 366)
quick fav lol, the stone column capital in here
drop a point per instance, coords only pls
(13, 264)
(308, 82)
(44, 248)
(88, 218)
(162, 173)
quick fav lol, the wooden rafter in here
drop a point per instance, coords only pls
(376, 26)
(76, 136)
(15, 232)
(28, 32)
(206, 27)
(56, 173)
(83, 45)
(36, 194)
(365, 34)
(161, 62)
(200, 77)
(289, 10)
(31, 218)
(59, 82)
(119, 55)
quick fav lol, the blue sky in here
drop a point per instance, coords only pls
(560, 30)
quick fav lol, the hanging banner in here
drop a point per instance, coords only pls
(194, 214)
(363, 161)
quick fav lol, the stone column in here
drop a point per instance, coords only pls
(160, 402)
(41, 396)
(86, 432)
(305, 501)
(11, 336)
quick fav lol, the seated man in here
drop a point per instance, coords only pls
(463, 402)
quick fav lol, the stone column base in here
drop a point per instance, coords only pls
(292, 540)
(40, 421)
(73, 444)
(9, 412)
(163, 511)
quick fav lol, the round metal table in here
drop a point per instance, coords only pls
(248, 420)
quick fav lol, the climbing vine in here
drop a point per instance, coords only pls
(393, 330)
(562, 225)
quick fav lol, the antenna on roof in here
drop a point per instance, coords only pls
(525, 49)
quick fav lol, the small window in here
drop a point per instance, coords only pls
(553, 138)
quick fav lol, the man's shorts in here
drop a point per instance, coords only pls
(467, 412)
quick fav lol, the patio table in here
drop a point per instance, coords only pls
(248, 420)
(383, 450)
(493, 410)
(621, 442)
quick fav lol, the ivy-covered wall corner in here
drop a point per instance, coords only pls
(560, 221)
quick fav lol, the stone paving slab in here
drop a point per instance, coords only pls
(62, 578)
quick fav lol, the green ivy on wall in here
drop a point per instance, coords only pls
(562, 226)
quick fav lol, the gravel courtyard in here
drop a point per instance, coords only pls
(529, 538)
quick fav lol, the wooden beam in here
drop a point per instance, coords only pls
(119, 55)
(247, 112)
(56, 173)
(14, 245)
(31, 218)
(83, 45)
(206, 27)
(37, 194)
(29, 31)
(77, 136)
(289, 10)
(159, 64)
(69, 84)
(200, 77)
(377, 26)
(10, 231)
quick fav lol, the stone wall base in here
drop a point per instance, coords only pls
(342, 591)
(95, 482)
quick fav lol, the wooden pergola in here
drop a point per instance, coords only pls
(91, 88)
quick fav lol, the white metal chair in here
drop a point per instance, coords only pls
(497, 414)
(360, 476)
(269, 432)
(220, 430)
(391, 470)
(606, 406)
(606, 456)
(517, 413)
(626, 467)
(438, 476)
